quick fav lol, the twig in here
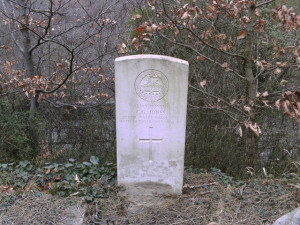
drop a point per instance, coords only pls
(204, 185)
(263, 3)
(206, 192)
(186, 220)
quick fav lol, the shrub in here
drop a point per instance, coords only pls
(14, 139)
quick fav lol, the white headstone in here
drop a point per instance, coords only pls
(151, 104)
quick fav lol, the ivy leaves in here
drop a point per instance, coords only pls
(89, 179)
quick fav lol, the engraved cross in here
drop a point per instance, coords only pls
(150, 140)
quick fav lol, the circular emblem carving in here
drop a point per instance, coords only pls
(151, 85)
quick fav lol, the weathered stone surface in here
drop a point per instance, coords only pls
(151, 102)
(292, 218)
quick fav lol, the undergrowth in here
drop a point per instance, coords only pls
(89, 179)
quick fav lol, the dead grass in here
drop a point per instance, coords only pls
(41, 208)
(204, 200)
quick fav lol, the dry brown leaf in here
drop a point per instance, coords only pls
(241, 35)
(297, 113)
(259, 64)
(203, 83)
(200, 58)
(247, 108)
(154, 27)
(148, 29)
(186, 188)
(222, 36)
(58, 177)
(240, 131)
(185, 16)
(265, 94)
(210, 8)
(285, 105)
(59, 65)
(283, 82)
(6, 189)
(224, 65)
(134, 40)
(27, 188)
(136, 16)
(288, 93)
(246, 19)
(140, 29)
(277, 71)
(255, 128)
(281, 64)
(106, 21)
(123, 48)
(77, 179)
(258, 94)
(298, 61)
(266, 103)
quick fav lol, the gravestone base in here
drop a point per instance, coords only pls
(142, 196)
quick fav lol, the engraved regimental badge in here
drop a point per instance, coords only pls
(151, 85)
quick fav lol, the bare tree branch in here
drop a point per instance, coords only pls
(200, 54)
(61, 104)
(11, 33)
(220, 99)
(263, 3)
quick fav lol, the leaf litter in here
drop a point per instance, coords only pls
(208, 198)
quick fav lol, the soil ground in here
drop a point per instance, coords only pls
(207, 199)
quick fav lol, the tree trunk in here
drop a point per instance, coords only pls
(251, 139)
(29, 65)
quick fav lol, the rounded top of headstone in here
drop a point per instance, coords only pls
(149, 56)
(151, 85)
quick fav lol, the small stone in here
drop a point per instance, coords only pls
(198, 202)
(292, 218)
